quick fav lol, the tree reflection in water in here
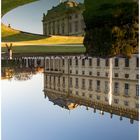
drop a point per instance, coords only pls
(21, 69)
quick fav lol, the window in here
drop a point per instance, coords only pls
(137, 105)
(83, 62)
(137, 76)
(76, 26)
(106, 99)
(63, 80)
(116, 62)
(106, 74)
(76, 71)
(116, 75)
(98, 85)
(137, 90)
(70, 91)
(116, 88)
(76, 15)
(126, 75)
(90, 95)
(76, 62)
(90, 62)
(70, 27)
(83, 72)
(63, 28)
(58, 81)
(137, 62)
(70, 60)
(70, 71)
(70, 17)
(46, 78)
(126, 89)
(98, 73)
(116, 101)
(98, 97)
(77, 93)
(76, 82)
(90, 73)
(63, 62)
(107, 62)
(126, 62)
(106, 86)
(83, 83)
(90, 84)
(70, 82)
(83, 94)
(126, 103)
(98, 62)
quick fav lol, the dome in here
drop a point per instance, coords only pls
(71, 3)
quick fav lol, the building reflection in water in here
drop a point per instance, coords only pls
(71, 81)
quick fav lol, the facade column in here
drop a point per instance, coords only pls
(59, 65)
(51, 28)
(50, 64)
(46, 28)
(42, 62)
(27, 63)
(35, 62)
(20, 63)
(53, 64)
(60, 27)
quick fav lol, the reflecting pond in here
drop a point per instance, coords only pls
(70, 97)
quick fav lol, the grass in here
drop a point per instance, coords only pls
(47, 49)
(11, 35)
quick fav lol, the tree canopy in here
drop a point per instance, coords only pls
(111, 27)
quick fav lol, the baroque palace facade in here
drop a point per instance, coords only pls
(64, 19)
(70, 81)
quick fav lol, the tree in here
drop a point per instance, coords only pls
(111, 27)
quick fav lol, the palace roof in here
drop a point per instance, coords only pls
(66, 7)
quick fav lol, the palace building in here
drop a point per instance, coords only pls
(86, 81)
(73, 81)
(65, 19)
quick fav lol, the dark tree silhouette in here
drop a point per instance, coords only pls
(111, 27)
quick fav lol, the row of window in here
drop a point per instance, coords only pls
(116, 75)
(116, 101)
(98, 86)
(107, 63)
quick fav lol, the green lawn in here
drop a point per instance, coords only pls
(47, 49)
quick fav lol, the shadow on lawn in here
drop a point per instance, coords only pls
(22, 36)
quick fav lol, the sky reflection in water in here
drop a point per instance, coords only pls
(27, 115)
(29, 17)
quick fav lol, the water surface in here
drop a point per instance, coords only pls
(27, 114)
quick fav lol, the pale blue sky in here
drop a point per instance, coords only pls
(28, 17)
